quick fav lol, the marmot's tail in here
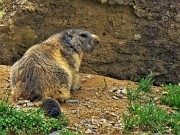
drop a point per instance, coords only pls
(51, 107)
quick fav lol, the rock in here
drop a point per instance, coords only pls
(29, 104)
(112, 123)
(103, 1)
(26, 101)
(83, 79)
(88, 131)
(156, 99)
(89, 76)
(113, 114)
(177, 18)
(18, 107)
(137, 36)
(89, 125)
(119, 95)
(103, 120)
(21, 102)
(124, 91)
(72, 101)
(115, 97)
(54, 133)
(95, 122)
(164, 93)
(113, 89)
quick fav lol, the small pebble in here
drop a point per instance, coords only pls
(54, 133)
(26, 101)
(156, 98)
(164, 93)
(29, 104)
(115, 97)
(137, 36)
(124, 91)
(89, 76)
(113, 89)
(88, 131)
(83, 79)
(72, 101)
(20, 102)
(18, 107)
(119, 95)
(103, 1)
(103, 120)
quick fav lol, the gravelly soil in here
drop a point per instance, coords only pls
(94, 109)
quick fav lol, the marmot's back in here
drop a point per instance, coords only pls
(50, 69)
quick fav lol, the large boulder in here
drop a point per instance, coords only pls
(138, 37)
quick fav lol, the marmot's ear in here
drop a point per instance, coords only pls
(67, 37)
(68, 44)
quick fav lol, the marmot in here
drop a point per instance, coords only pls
(51, 68)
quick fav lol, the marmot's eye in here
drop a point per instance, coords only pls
(83, 35)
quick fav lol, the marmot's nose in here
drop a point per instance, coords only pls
(96, 40)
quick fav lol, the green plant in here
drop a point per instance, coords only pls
(2, 12)
(174, 122)
(129, 122)
(146, 83)
(133, 94)
(146, 115)
(172, 96)
(66, 132)
(144, 86)
(31, 121)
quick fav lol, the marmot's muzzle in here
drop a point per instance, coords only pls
(96, 40)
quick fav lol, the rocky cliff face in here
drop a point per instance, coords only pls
(138, 36)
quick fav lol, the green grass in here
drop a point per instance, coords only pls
(2, 12)
(31, 121)
(67, 132)
(172, 98)
(143, 88)
(145, 114)
(145, 84)
(146, 117)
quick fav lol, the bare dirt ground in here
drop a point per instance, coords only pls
(94, 109)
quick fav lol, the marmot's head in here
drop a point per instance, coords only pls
(75, 40)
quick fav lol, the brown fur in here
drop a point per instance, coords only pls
(51, 68)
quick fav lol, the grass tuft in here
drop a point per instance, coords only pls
(31, 121)
(144, 114)
(172, 96)
(67, 132)
(146, 83)
(146, 117)
(144, 86)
